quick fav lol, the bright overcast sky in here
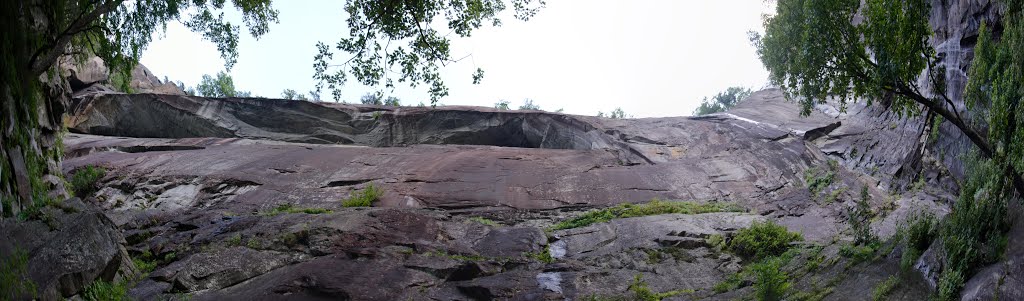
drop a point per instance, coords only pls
(651, 57)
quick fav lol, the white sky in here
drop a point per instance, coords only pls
(651, 57)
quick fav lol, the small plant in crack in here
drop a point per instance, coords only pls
(291, 209)
(818, 179)
(235, 240)
(654, 207)
(484, 221)
(364, 197)
(542, 256)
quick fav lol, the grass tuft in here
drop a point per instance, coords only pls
(542, 256)
(884, 288)
(106, 291)
(917, 235)
(291, 209)
(654, 207)
(484, 221)
(83, 181)
(818, 179)
(14, 281)
(363, 198)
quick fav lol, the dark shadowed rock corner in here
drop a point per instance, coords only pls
(70, 248)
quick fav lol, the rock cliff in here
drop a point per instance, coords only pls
(242, 198)
(247, 196)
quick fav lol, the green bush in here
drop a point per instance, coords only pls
(818, 179)
(859, 217)
(654, 207)
(643, 293)
(235, 240)
(974, 232)
(363, 198)
(770, 281)
(762, 240)
(917, 235)
(83, 181)
(716, 241)
(106, 291)
(859, 253)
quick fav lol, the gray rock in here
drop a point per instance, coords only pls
(68, 250)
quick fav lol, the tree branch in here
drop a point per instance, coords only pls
(44, 57)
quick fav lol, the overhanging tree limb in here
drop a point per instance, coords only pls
(46, 56)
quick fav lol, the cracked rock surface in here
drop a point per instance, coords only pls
(243, 201)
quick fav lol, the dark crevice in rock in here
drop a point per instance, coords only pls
(283, 171)
(816, 133)
(344, 183)
(157, 148)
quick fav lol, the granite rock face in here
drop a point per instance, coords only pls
(467, 196)
(241, 198)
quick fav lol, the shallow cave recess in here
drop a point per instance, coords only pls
(544, 131)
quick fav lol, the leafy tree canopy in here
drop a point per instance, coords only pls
(817, 49)
(722, 101)
(878, 50)
(396, 40)
(501, 105)
(118, 31)
(617, 113)
(292, 95)
(529, 105)
(221, 86)
(371, 98)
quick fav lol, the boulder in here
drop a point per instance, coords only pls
(69, 249)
